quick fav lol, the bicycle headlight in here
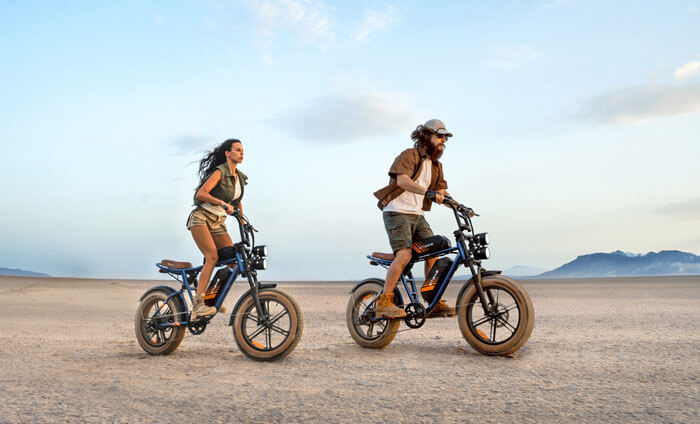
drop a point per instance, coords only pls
(482, 239)
(260, 251)
(482, 253)
(259, 263)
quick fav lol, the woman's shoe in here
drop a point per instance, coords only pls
(199, 309)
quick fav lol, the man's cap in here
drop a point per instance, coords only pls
(437, 126)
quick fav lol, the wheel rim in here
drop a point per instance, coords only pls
(364, 308)
(153, 315)
(498, 326)
(273, 332)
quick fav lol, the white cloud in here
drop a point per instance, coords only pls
(513, 56)
(690, 209)
(638, 104)
(688, 70)
(308, 19)
(340, 119)
(375, 20)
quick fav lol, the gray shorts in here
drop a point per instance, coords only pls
(403, 229)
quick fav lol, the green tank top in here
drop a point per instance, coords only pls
(225, 189)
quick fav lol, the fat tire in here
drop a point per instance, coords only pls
(526, 318)
(178, 332)
(351, 312)
(296, 319)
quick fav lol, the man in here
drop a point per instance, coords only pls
(414, 172)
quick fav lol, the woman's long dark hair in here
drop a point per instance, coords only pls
(214, 158)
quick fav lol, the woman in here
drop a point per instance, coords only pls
(220, 192)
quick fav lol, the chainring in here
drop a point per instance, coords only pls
(415, 315)
(197, 327)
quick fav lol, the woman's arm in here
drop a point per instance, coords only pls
(203, 192)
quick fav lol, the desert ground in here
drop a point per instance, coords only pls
(603, 350)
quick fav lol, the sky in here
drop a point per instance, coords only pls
(576, 126)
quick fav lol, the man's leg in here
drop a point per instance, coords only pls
(442, 309)
(403, 257)
(399, 231)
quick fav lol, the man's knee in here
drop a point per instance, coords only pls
(403, 256)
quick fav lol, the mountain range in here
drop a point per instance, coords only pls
(21, 273)
(623, 264)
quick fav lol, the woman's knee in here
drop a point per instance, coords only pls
(211, 257)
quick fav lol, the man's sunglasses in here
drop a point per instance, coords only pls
(445, 136)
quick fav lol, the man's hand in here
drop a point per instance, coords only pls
(435, 196)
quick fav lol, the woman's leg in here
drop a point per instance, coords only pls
(222, 240)
(205, 242)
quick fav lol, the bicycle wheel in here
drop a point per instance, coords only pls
(279, 332)
(153, 311)
(368, 334)
(503, 330)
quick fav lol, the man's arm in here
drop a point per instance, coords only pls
(406, 183)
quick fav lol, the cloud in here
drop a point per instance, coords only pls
(375, 20)
(307, 19)
(189, 143)
(686, 71)
(513, 56)
(341, 119)
(638, 104)
(688, 210)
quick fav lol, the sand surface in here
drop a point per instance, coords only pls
(603, 350)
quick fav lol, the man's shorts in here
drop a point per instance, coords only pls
(403, 229)
(200, 216)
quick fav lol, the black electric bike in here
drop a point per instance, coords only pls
(494, 312)
(267, 323)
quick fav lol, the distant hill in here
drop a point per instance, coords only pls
(21, 273)
(622, 264)
(523, 271)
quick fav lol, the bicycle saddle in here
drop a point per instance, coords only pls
(385, 256)
(175, 264)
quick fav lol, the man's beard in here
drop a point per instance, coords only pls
(434, 152)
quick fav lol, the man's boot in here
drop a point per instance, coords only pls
(199, 309)
(442, 309)
(386, 307)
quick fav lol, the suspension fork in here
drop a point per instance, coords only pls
(476, 273)
(243, 262)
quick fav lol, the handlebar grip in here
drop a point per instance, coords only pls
(431, 195)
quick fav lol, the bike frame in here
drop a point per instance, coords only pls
(465, 256)
(243, 267)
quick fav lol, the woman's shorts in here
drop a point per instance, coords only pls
(200, 216)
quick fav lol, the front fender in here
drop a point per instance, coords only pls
(398, 299)
(261, 286)
(484, 274)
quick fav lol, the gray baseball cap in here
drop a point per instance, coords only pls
(437, 126)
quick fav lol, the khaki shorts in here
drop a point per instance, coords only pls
(200, 216)
(403, 229)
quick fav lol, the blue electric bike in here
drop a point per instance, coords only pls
(267, 323)
(495, 314)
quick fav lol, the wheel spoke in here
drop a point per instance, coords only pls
(280, 330)
(370, 327)
(279, 316)
(509, 307)
(481, 321)
(493, 329)
(506, 324)
(268, 338)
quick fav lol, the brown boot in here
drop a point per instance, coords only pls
(442, 309)
(199, 309)
(386, 307)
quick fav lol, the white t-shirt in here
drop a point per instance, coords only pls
(412, 203)
(219, 210)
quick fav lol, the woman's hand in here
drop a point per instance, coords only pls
(229, 209)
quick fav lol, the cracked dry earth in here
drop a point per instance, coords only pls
(603, 350)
